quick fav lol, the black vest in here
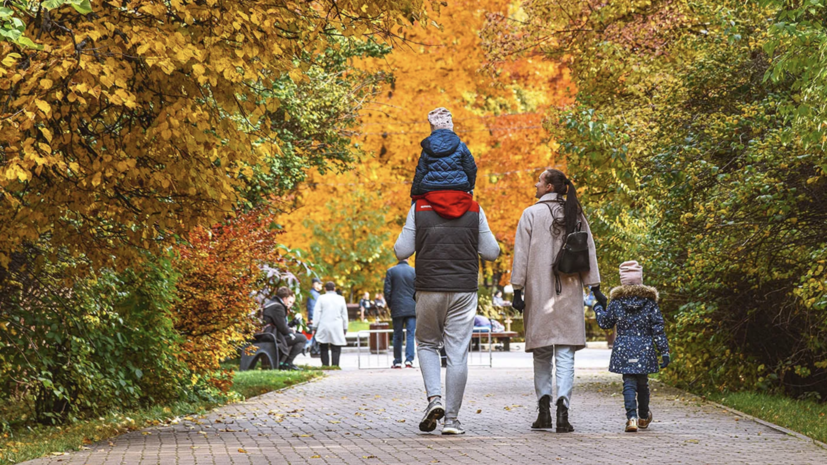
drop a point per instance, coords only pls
(447, 250)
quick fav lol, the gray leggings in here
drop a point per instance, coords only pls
(445, 319)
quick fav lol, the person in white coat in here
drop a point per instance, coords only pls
(330, 316)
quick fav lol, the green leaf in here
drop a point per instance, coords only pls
(52, 4)
(82, 6)
(26, 42)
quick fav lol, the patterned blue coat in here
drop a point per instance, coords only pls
(445, 164)
(635, 312)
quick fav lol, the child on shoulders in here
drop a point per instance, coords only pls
(634, 310)
(445, 162)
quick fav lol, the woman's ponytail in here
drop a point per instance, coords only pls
(563, 186)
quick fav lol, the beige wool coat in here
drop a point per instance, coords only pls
(549, 319)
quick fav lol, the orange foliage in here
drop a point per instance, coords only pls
(220, 270)
(500, 118)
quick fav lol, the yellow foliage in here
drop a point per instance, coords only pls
(134, 122)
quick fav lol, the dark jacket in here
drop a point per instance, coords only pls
(634, 309)
(311, 303)
(445, 164)
(447, 247)
(274, 315)
(399, 290)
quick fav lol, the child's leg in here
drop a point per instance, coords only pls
(629, 393)
(643, 395)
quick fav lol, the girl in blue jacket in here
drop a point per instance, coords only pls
(635, 312)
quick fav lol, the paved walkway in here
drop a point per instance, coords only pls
(371, 417)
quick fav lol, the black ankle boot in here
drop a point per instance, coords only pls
(544, 414)
(563, 425)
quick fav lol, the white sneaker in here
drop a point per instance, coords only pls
(452, 427)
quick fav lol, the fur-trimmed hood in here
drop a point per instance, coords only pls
(635, 290)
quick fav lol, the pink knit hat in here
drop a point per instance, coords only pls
(631, 273)
(440, 118)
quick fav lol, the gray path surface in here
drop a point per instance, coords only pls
(371, 417)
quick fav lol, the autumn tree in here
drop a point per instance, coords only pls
(499, 115)
(696, 134)
(124, 123)
(221, 271)
(349, 243)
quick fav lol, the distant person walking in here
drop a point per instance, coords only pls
(399, 289)
(449, 233)
(331, 324)
(315, 292)
(555, 324)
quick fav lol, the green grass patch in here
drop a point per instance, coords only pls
(356, 326)
(257, 382)
(804, 416)
(27, 441)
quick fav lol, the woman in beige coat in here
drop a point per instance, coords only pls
(555, 325)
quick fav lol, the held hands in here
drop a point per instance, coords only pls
(599, 296)
(518, 303)
(666, 361)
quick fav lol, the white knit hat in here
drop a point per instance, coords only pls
(440, 119)
(631, 273)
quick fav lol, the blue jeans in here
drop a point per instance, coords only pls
(636, 385)
(409, 323)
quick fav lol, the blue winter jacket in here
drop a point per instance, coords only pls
(399, 290)
(445, 164)
(635, 311)
(311, 303)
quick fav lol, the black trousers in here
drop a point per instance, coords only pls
(335, 350)
(296, 345)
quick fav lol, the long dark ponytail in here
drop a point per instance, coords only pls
(571, 208)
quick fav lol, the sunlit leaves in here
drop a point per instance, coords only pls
(143, 120)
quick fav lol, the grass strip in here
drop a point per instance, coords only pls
(803, 416)
(33, 441)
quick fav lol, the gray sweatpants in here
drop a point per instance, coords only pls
(445, 319)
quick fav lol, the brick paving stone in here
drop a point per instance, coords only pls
(372, 417)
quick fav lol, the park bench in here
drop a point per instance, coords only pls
(265, 349)
(503, 336)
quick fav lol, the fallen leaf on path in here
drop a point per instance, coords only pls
(242, 451)
(317, 456)
(479, 411)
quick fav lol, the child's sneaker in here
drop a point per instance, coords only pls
(643, 423)
(631, 425)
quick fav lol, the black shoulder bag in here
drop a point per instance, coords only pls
(573, 257)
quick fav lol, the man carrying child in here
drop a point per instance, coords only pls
(449, 233)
